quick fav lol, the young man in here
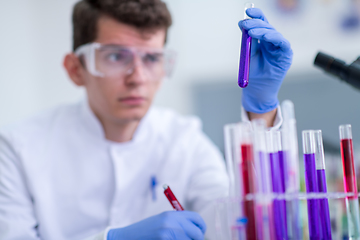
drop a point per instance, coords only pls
(94, 170)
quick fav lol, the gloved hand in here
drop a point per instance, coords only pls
(168, 225)
(271, 57)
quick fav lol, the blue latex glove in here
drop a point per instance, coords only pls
(168, 225)
(270, 61)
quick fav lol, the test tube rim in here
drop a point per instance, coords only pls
(259, 128)
(345, 131)
(308, 148)
(319, 150)
(247, 5)
(272, 143)
(288, 105)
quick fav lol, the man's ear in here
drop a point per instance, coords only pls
(75, 69)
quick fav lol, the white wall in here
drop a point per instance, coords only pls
(36, 34)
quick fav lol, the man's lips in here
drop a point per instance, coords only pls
(132, 100)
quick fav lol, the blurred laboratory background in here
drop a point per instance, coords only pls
(36, 35)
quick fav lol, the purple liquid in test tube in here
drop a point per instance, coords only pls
(311, 184)
(324, 206)
(283, 170)
(265, 223)
(280, 221)
(245, 53)
(321, 178)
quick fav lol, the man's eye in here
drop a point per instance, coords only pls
(152, 58)
(115, 57)
(119, 56)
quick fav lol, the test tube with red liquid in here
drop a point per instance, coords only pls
(321, 179)
(245, 53)
(311, 183)
(238, 137)
(352, 203)
(172, 199)
(247, 171)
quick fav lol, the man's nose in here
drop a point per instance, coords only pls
(137, 73)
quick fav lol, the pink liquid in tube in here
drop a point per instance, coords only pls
(347, 156)
(247, 168)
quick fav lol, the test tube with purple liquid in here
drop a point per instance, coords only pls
(321, 178)
(264, 215)
(245, 53)
(274, 146)
(311, 183)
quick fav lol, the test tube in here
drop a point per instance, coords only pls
(262, 162)
(264, 215)
(279, 206)
(290, 154)
(311, 183)
(290, 148)
(232, 157)
(245, 53)
(236, 192)
(321, 178)
(347, 156)
(249, 187)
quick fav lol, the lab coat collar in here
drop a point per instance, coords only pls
(93, 125)
(90, 121)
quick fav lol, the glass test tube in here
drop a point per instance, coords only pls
(245, 53)
(264, 214)
(232, 157)
(311, 183)
(347, 156)
(249, 187)
(279, 206)
(321, 178)
(233, 162)
(290, 148)
(290, 154)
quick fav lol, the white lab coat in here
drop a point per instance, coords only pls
(61, 179)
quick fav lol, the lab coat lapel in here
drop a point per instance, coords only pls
(132, 163)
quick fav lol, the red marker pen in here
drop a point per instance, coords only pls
(172, 199)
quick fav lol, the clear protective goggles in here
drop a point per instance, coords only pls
(116, 61)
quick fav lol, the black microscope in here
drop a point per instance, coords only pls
(336, 67)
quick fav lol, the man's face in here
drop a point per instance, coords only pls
(127, 98)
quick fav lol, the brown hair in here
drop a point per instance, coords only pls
(142, 14)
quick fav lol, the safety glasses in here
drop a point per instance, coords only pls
(116, 61)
